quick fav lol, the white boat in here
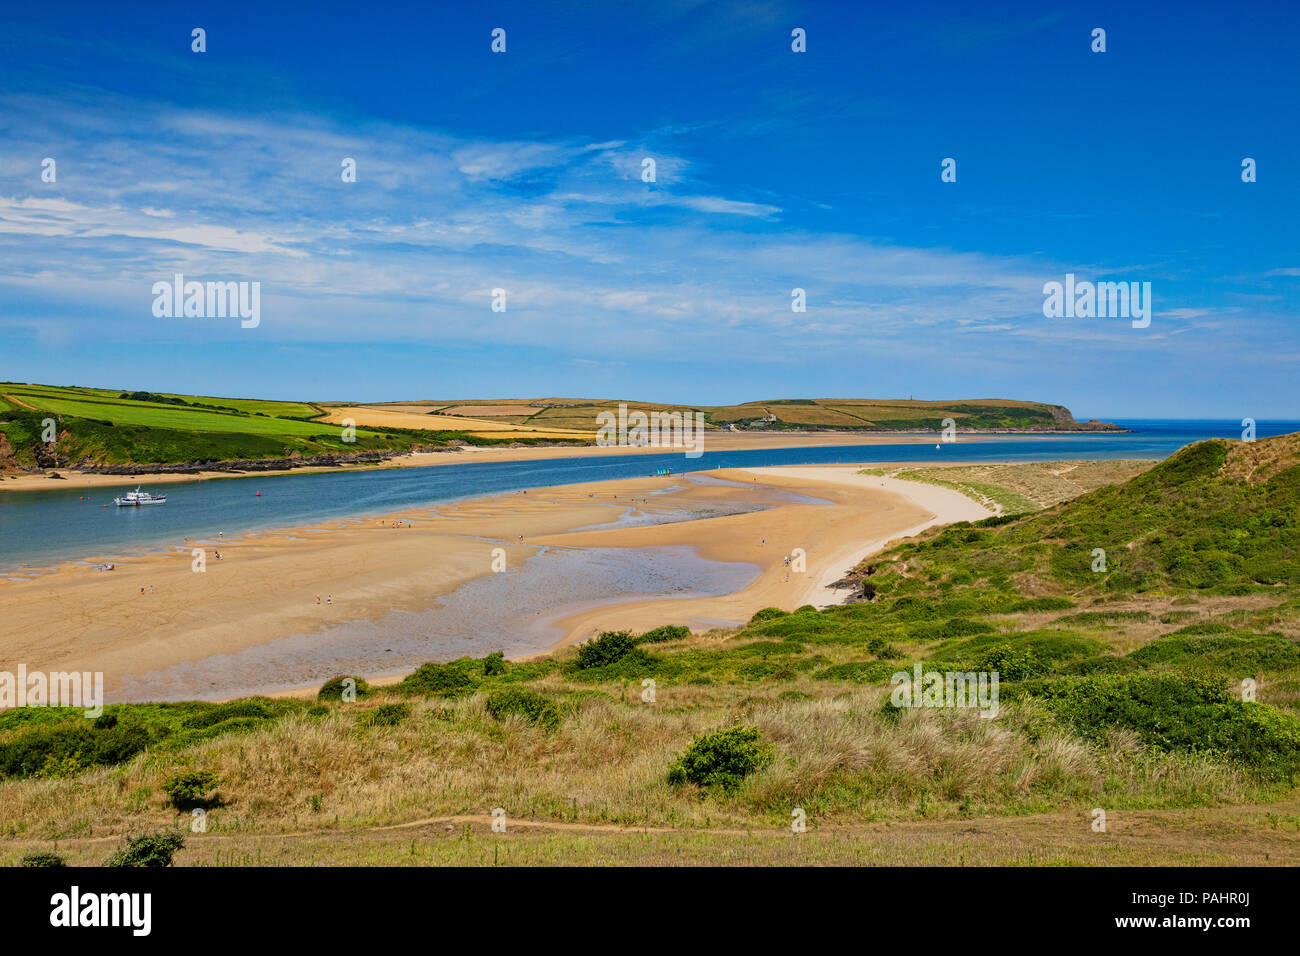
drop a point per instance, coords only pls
(135, 498)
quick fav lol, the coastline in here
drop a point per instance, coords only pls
(245, 607)
(70, 478)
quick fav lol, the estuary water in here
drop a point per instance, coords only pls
(42, 528)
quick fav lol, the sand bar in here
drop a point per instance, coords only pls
(266, 584)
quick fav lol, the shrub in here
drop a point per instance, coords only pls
(43, 859)
(1177, 712)
(722, 759)
(882, 648)
(189, 788)
(1240, 653)
(859, 672)
(668, 632)
(334, 688)
(767, 614)
(443, 680)
(536, 708)
(386, 715)
(62, 749)
(148, 849)
(609, 648)
(494, 664)
(1012, 663)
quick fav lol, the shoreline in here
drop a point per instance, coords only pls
(76, 618)
(70, 478)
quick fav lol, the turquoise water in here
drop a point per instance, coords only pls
(41, 528)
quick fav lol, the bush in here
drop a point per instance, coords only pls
(536, 708)
(609, 648)
(189, 788)
(494, 664)
(148, 849)
(767, 614)
(668, 632)
(386, 715)
(443, 680)
(63, 749)
(1012, 663)
(1177, 712)
(859, 672)
(1238, 653)
(43, 859)
(882, 648)
(334, 688)
(722, 759)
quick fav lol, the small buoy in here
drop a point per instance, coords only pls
(105, 506)
(259, 494)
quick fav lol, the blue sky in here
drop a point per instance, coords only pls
(775, 170)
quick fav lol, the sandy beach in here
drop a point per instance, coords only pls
(155, 615)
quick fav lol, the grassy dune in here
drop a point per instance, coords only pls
(1023, 487)
(1122, 689)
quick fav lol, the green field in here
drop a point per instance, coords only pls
(818, 414)
(99, 427)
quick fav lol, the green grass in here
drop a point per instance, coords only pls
(1006, 500)
(98, 427)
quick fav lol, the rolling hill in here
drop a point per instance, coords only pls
(111, 430)
(792, 414)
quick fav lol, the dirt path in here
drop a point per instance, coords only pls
(1264, 835)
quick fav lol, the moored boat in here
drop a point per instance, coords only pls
(135, 498)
